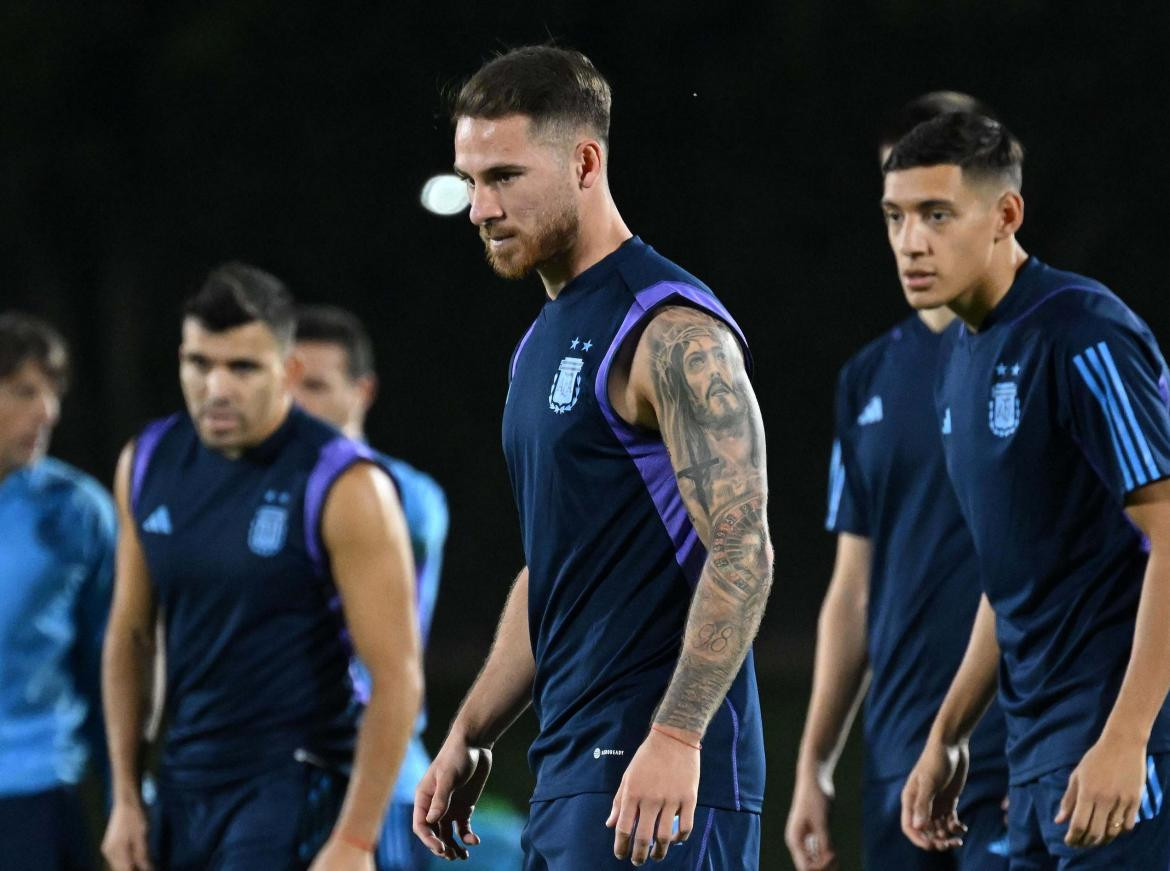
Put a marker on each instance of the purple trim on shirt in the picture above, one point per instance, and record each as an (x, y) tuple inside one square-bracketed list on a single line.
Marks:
[(519, 349), (703, 843), (734, 751), (646, 448), (144, 448), (335, 457)]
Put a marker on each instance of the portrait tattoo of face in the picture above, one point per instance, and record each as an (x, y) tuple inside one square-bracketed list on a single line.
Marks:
[(704, 402)]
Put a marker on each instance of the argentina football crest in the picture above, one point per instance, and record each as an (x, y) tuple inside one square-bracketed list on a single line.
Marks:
[(566, 384), (269, 526), (1003, 411)]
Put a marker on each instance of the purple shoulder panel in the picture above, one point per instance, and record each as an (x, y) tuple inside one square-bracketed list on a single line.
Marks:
[(646, 448), (144, 448), (335, 457), (519, 349)]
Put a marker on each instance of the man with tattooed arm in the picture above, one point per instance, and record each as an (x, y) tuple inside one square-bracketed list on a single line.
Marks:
[(638, 465)]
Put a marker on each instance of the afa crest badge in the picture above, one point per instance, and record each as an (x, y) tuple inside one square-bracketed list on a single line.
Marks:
[(566, 385), (268, 531), (1003, 411)]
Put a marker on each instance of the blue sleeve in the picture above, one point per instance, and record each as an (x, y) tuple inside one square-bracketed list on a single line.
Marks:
[(93, 608), (846, 508), (1118, 401), (425, 507)]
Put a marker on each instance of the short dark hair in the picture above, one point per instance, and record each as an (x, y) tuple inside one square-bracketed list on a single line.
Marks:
[(235, 294), (555, 87), (925, 107), (336, 326), (25, 338), (982, 147)]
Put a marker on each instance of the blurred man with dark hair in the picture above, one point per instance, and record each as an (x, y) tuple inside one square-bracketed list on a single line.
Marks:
[(1054, 410), (637, 459), (56, 573), (901, 599), (336, 382), (269, 543)]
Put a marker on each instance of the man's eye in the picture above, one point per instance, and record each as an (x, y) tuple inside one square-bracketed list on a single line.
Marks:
[(243, 368), (892, 217), (939, 216)]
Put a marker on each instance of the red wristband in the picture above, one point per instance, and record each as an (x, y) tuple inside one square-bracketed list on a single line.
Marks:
[(654, 727), (364, 846)]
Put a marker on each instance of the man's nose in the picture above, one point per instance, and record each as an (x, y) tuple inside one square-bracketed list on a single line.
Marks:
[(485, 206)]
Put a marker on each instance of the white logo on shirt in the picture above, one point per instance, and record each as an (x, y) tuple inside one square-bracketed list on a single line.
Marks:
[(872, 413), (1003, 411), (598, 752), (159, 521)]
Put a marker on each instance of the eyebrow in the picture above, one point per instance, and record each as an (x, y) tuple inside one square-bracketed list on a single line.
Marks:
[(491, 170), (922, 205)]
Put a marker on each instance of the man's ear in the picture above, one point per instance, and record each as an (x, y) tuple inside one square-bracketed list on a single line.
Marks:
[(589, 160), (1011, 214), (367, 386)]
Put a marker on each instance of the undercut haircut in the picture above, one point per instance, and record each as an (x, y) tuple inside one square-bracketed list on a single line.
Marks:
[(336, 326), (984, 149), (28, 339), (558, 88), (926, 107), (236, 294)]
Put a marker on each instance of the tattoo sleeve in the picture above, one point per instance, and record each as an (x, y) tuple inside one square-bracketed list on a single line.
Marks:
[(711, 425)]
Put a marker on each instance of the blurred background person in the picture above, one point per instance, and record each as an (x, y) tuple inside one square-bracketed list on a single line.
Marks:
[(274, 547), (57, 532), (901, 600), (337, 381)]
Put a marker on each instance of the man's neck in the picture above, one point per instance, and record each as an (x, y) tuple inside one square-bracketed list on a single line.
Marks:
[(974, 305), (936, 319), (597, 238)]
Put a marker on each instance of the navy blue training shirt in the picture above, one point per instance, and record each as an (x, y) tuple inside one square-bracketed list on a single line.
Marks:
[(888, 482), (613, 559), (257, 659), (1052, 413)]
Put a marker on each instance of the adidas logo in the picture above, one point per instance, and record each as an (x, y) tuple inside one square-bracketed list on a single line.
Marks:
[(946, 428), (872, 413), (159, 521)]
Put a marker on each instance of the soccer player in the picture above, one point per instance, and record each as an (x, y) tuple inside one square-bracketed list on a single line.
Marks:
[(637, 460), (337, 383), (269, 542), (56, 567), (901, 600), (1052, 403)]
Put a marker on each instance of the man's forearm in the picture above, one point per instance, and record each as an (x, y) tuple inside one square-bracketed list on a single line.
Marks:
[(387, 725), (725, 615), (839, 683), (1147, 678), (127, 658), (503, 689), (973, 687)]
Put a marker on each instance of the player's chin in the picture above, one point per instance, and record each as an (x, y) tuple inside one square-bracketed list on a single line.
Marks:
[(922, 300)]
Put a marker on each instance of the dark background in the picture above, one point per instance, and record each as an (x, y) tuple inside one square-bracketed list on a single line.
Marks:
[(143, 143)]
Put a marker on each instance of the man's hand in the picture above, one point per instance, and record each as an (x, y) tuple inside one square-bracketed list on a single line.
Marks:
[(1104, 793), (807, 831), (446, 797), (124, 845), (930, 799), (337, 855), (661, 782)]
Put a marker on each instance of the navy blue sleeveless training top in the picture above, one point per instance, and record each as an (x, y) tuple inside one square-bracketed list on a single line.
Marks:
[(613, 559), (257, 658)]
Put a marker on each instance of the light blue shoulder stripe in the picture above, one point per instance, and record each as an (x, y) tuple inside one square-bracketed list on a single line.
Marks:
[(836, 484), (1127, 437), (1143, 445), (1079, 362), (1155, 786)]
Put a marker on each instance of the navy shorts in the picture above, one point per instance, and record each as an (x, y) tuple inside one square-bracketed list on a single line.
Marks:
[(44, 831), (277, 821), (985, 846), (1037, 843), (569, 834)]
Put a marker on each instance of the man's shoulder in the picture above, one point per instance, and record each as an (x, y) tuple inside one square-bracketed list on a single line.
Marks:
[(860, 369), (646, 269), (73, 491)]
